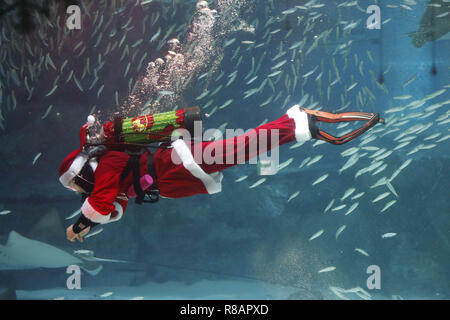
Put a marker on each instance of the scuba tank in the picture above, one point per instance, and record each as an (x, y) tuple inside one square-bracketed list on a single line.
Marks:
[(150, 128), (133, 136)]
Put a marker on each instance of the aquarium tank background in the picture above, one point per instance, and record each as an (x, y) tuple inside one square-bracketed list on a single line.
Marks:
[(376, 227)]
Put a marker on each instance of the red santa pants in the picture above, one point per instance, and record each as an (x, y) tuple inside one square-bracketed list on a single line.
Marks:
[(192, 167)]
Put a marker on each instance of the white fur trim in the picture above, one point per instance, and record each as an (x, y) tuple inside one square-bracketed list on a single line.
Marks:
[(301, 123), (93, 163), (92, 214), (119, 215), (212, 182), (74, 169)]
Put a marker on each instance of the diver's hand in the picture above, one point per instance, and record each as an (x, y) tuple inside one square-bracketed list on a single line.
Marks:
[(72, 236)]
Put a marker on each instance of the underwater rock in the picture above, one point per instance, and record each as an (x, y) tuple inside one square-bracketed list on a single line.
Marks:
[(433, 25)]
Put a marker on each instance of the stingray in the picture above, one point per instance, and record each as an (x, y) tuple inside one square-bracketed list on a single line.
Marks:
[(432, 27), (21, 253), (88, 255)]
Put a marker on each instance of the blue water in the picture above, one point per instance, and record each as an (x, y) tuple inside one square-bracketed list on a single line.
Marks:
[(241, 243)]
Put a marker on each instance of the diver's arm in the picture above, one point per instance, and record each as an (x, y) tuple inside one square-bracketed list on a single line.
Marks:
[(72, 236), (82, 224), (105, 204), (79, 229)]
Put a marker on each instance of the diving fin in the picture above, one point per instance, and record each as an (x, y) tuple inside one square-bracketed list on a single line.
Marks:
[(329, 117)]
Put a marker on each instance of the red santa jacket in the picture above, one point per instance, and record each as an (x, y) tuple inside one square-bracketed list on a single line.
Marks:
[(177, 176), (108, 200)]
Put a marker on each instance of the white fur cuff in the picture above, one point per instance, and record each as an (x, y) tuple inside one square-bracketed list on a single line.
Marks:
[(119, 214), (302, 132), (74, 169), (92, 214)]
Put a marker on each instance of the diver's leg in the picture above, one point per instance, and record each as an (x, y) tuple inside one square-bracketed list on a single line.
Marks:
[(298, 124), (185, 170), (293, 126)]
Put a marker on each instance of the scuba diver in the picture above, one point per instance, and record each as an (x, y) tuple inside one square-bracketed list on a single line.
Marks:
[(114, 164)]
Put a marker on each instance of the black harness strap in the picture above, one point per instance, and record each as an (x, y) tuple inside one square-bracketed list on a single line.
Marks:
[(151, 171), (133, 165), (153, 191), (117, 129)]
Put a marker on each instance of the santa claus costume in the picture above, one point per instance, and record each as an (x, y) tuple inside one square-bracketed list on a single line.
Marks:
[(177, 172)]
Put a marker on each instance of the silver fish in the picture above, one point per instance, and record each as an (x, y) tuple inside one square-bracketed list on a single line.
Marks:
[(410, 80), (257, 183), (77, 83), (285, 164), (401, 145), (304, 162), (405, 97), (350, 162), (347, 193), (391, 188), (434, 94), (381, 196), (106, 294), (273, 74), (100, 90), (226, 103), (314, 160), (384, 166), (294, 195), (329, 206), (297, 145), (403, 166), (36, 157), (444, 138), (316, 235), (73, 214), (229, 42), (349, 151), (388, 205), (359, 195), (52, 91), (352, 86), (91, 234), (47, 112), (327, 269), (388, 235), (352, 208), (289, 11), (278, 65), (320, 179), (339, 230), (342, 206), (362, 251)]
